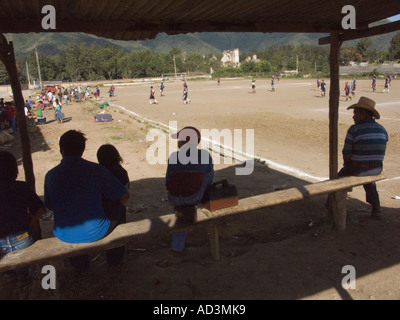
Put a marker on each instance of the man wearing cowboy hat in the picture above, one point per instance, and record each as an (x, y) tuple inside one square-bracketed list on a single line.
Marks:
[(364, 148)]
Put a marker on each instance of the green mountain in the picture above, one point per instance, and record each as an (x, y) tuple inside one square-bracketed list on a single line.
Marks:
[(203, 43)]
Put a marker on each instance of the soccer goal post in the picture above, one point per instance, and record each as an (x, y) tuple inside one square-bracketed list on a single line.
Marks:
[(173, 76)]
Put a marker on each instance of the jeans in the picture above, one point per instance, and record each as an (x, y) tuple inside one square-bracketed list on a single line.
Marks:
[(13, 126), (178, 241), (15, 242)]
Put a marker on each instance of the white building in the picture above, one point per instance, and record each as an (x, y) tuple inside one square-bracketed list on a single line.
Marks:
[(230, 58)]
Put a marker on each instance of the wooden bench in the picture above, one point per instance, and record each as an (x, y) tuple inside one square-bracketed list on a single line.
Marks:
[(52, 248)]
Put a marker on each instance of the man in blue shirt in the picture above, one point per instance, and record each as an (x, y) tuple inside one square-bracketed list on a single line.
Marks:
[(323, 88), (364, 149), (73, 191)]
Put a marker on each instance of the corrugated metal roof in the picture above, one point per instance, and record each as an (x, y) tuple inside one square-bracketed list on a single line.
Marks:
[(144, 19)]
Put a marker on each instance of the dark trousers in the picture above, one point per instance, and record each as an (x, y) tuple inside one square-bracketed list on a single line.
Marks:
[(115, 255), (371, 193)]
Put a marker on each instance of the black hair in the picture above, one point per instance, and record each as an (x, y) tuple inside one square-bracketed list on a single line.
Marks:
[(8, 167), (108, 155), (72, 143)]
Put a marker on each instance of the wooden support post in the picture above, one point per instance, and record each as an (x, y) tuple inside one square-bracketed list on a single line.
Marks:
[(8, 59), (214, 241), (340, 213), (334, 93)]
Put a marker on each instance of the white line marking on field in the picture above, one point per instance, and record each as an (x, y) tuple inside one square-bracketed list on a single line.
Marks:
[(270, 163)]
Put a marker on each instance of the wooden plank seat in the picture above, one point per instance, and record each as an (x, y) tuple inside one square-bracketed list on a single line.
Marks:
[(52, 248)]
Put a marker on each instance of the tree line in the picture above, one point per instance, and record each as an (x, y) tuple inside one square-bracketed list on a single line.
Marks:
[(79, 62)]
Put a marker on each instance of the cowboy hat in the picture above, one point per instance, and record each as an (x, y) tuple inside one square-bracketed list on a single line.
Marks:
[(366, 104)]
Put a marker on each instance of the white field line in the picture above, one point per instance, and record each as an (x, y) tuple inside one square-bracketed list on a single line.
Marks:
[(239, 154)]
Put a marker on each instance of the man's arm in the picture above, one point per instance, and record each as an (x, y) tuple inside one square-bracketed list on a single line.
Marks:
[(124, 199), (346, 158), (34, 217)]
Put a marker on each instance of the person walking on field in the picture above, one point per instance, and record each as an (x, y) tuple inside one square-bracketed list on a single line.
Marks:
[(353, 87), (273, 84), (374, 83), (323, 88), (387, 85), (152, 96), (347, 91), (185, 98), (162, 89), (59, 115)]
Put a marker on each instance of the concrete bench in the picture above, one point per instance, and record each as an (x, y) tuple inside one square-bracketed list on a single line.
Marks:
[(52, 248)]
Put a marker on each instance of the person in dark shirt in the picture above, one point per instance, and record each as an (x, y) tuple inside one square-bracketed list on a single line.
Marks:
[(190, 172), (109, 157), (20, 207)]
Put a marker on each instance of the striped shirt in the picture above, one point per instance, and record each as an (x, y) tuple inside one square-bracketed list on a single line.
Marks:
[(366, 142)]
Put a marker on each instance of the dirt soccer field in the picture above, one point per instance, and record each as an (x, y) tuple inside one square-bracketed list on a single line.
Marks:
[(282, 252)]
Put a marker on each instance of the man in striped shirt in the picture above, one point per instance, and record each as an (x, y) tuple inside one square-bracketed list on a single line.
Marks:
[(364, 149)]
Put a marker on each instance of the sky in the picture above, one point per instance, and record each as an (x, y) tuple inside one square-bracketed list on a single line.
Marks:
[(395, 18)]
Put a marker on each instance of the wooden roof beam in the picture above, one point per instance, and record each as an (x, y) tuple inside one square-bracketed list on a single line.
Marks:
[(98, 26), (363, 33)]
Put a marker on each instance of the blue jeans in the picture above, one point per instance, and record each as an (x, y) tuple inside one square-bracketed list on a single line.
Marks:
[(13, 126), (15, 242), (178, 241)]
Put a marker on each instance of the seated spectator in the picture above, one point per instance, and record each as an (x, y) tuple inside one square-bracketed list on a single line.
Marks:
[(108, 156), (190, 172), (73, 190), (10, 109), (20, 207)]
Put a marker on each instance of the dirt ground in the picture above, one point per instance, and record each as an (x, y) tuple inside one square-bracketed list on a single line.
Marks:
[(284, 252)]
